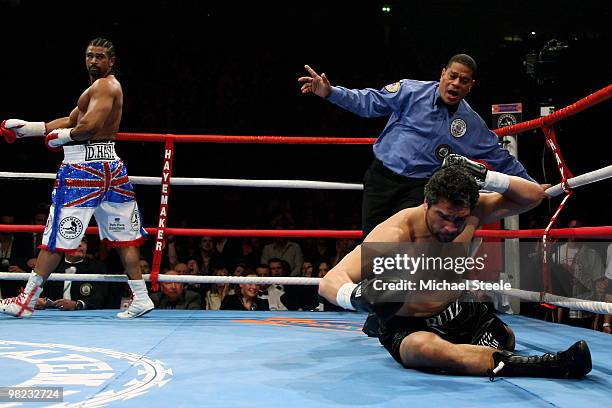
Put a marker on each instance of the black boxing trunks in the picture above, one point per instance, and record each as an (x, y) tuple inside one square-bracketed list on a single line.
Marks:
[(462, 322)]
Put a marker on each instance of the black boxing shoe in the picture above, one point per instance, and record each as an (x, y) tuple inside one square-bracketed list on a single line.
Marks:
[(575, 362)]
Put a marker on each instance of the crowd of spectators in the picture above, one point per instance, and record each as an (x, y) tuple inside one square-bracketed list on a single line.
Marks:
[(579, 270), (219, 256)]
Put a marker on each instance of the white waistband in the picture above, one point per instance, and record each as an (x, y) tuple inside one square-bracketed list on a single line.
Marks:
[(102, 151)]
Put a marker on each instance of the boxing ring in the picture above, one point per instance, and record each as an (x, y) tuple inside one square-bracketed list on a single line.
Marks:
[(226, 358), (275, 359)]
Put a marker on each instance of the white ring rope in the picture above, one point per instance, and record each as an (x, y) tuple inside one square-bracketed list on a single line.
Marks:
[(581, 180), (168, 278), (188, 181), (573, 303)]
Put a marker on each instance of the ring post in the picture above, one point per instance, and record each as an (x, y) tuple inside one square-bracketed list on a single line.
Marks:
[(163, 210)]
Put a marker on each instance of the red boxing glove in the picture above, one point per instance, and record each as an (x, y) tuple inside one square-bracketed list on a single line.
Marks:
[(8, 135), (12, 129), (57, 138)]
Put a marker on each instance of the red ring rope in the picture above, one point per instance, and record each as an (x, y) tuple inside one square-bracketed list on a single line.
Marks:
[(155, 137), (604, 232), (584, 103)]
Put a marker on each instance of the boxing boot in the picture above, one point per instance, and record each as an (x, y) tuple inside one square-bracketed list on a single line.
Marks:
[(575, 362), (23, 304), (141, 302)]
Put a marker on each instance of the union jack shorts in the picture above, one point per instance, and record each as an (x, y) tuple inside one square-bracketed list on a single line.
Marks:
[(99, 188)]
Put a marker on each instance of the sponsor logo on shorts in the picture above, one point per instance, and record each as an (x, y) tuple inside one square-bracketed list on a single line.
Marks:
[(487, 339), (458, 127), (49, 223), (70, 227), (444, 316), (135, 220), (99, 151), (116, 224), (85, 289)]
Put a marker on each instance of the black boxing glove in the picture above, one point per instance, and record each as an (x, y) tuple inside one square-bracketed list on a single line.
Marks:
[(380, 296), (486, 179)]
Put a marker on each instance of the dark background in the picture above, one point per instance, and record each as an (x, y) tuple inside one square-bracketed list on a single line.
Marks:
[(224, 67)]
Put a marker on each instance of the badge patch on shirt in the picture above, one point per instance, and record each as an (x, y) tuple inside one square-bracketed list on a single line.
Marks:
[(86, 289), (442, 151), (458, 127), (393, 88)]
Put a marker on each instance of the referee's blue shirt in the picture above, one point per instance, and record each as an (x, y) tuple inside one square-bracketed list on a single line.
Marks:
[(421, 123)]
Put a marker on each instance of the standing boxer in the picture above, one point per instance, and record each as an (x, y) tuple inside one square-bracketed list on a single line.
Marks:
[(92, 180)]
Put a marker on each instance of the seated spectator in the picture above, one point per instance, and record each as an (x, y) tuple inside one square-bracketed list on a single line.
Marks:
[(207, 256), (584, 269), (307, 269), (273, 293), (173, 295), (319, 252), (324, 304), (217, 292), (251, 251), (194, 267), (263, 271), (182, 269), (245, 298), (145, 268), (39, 218), (178, 248), (13, 255), (75, 295), (229, 249), (284, 249), (322, 269), (343, 247), (239, 269)]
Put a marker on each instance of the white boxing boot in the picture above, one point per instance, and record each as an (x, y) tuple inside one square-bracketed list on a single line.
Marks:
[(23, 304), (141, 302)]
